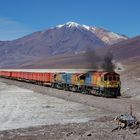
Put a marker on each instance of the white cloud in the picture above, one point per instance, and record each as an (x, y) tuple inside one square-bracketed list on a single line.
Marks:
[(11, 29)]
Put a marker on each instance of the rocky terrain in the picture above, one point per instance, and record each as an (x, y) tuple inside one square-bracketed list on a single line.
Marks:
[(95, 114)]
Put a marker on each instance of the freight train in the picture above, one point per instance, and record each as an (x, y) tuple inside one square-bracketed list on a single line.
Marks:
[(100, 83)]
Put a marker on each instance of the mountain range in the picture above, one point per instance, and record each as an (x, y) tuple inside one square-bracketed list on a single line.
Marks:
[(66, 41)]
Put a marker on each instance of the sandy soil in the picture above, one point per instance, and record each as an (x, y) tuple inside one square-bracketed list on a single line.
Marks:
[(98, 126)]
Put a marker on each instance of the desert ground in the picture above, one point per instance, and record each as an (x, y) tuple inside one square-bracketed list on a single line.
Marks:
[(33, 112)]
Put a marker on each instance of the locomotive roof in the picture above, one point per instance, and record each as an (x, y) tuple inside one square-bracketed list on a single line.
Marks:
[(103, 72)]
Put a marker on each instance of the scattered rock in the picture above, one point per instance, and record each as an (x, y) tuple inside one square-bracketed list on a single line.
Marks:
[(69, 134), (47, 106), (89, 134), (134, 132), (126, 121)]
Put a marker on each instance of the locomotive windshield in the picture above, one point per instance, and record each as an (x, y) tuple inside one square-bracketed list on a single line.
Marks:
[(111, 78), (114, 78)]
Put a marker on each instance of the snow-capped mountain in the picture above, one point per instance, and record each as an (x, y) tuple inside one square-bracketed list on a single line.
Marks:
[(68, 38), (106, 36)]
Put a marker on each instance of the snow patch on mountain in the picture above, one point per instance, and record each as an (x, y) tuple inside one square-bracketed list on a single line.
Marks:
[(87, 27), (68, 24), (73, 24), (111, 34), (108, 36)]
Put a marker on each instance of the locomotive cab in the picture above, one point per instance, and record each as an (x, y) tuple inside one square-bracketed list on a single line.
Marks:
[(111, 83)]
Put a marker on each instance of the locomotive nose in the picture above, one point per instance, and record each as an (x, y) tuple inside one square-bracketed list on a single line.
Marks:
[(112, 82)]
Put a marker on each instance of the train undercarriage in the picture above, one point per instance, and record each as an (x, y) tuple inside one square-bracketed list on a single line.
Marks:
[(104, 92)]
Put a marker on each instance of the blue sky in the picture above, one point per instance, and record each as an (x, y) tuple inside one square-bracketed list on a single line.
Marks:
[(21, 17)]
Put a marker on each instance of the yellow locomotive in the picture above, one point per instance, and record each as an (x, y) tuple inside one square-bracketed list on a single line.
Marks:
[(95, 82)]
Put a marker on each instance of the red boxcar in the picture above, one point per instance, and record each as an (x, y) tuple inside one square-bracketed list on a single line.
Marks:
[(5, 73), (43, 77)]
